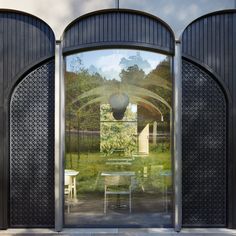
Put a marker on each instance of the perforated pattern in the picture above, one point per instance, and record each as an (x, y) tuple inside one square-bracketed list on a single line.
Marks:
[(204, 149), (32, 149)]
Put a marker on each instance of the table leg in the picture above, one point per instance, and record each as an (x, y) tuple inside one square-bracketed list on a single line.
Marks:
[(71, 193), (75, 193)]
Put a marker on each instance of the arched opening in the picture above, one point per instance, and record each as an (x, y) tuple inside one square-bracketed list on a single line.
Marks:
[(208, 118), (118, 120), (118, 162), (27, 81)]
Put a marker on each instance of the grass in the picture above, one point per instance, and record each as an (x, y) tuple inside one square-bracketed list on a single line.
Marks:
[(148, 170)]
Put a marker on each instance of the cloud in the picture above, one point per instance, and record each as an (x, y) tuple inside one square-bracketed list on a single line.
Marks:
[(110, 61), (110, 65), (135, 60)]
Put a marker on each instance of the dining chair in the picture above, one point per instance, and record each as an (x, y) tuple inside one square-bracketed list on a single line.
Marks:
[(117, 185)]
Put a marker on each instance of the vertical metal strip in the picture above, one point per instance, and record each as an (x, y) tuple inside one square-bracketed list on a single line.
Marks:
[(62, 128), (117, 4), (178, 136), (58, 139)]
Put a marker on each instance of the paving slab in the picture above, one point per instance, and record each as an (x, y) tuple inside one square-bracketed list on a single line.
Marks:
[(118, 232)]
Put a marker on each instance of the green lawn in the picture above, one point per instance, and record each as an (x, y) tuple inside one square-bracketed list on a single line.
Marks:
[(148, 170)]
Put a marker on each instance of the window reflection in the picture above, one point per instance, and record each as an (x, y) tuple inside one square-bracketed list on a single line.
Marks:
[(118, 144)]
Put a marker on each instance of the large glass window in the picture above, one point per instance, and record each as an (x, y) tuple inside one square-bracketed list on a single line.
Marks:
[(118, 168)]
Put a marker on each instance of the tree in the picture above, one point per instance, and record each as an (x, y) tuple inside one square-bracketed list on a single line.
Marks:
[(132, 75)]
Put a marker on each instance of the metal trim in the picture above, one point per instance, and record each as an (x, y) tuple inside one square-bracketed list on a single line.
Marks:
[(214, 75), (112, 45), (178, 137), (58, 138), (22, 74), (177, 226), (117, 4), (62, 94)]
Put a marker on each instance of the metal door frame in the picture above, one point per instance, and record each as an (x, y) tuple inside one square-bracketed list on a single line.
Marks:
[(60, 136)]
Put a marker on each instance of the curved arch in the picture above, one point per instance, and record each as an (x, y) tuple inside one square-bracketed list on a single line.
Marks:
[(119, 10), (118, 28), (133, 98), (215, 76), (22, 74), (213, 31), (36, 41), (7, 10), (211, 48), (130, 89), (204, 16)]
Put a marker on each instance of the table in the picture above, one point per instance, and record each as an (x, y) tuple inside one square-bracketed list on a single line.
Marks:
[(71, 175), (119, 161), (165, 174), (118, 173)]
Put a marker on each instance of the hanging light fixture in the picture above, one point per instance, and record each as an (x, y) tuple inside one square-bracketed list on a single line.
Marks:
[(119, 102)]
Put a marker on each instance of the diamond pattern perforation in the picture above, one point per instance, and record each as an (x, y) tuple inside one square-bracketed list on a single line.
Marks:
[(204, 142), (32, 149)]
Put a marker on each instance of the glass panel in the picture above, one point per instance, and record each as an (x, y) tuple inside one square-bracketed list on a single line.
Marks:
[(118, 139)]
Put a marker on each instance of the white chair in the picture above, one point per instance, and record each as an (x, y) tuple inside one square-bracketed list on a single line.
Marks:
[(67, 192), (117, 185), (67, 186)]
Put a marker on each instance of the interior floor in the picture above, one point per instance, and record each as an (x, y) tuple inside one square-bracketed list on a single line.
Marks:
[(148, 210)]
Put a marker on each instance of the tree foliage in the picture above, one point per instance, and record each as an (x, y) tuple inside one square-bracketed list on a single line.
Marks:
[(88, 118)]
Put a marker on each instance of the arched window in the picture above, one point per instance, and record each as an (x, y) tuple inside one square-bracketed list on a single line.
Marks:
[(118, 111), (118, 116)]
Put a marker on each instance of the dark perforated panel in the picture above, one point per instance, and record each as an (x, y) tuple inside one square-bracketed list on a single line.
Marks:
[(204, 149), (25, 41), (32, 149)]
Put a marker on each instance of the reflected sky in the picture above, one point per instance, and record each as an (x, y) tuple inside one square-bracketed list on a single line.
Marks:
[(109, 63)]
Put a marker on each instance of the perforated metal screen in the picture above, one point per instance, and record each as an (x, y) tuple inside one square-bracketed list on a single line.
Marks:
[(204, 140), (32, 150)]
